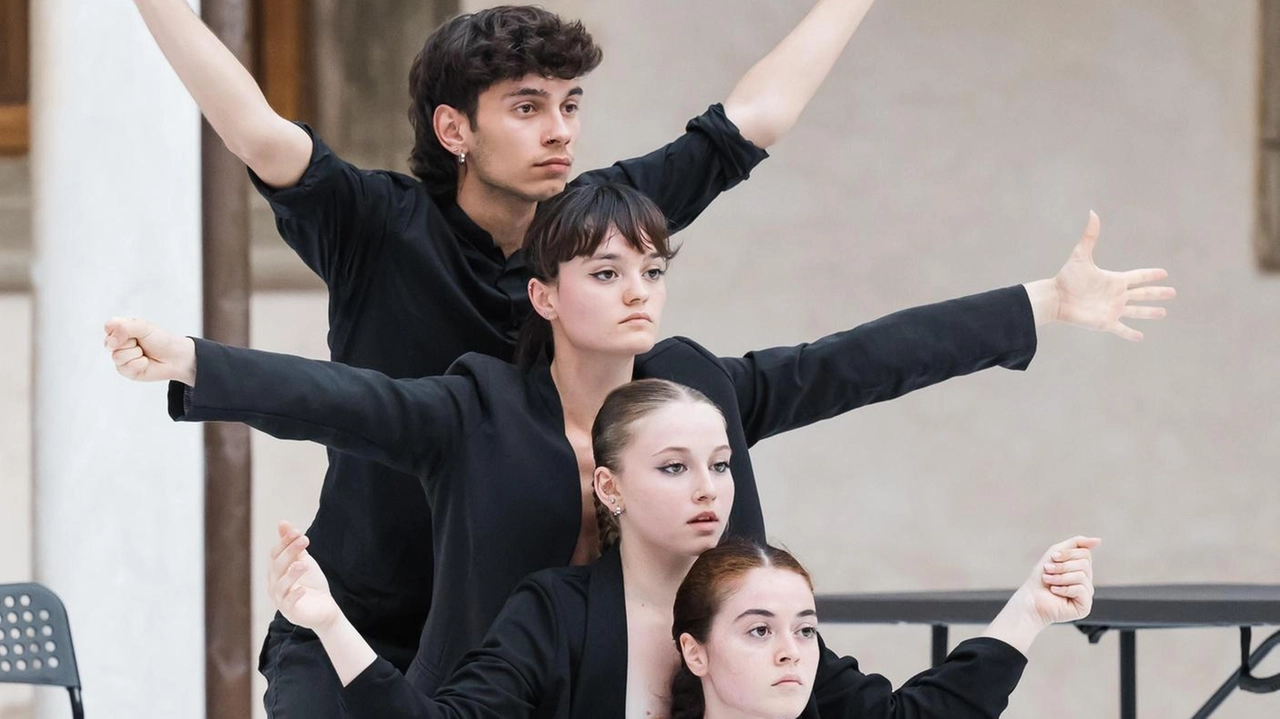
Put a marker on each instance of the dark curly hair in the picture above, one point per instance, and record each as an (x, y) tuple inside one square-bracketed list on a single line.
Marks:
[(472, 52)]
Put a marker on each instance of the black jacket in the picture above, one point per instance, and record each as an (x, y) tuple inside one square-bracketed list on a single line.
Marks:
[(558, 649), (414, 284), (488, 442)]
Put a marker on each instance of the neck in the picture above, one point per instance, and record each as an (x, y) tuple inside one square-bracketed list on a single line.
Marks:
[(652, 576), (583, 382), (503, 215)]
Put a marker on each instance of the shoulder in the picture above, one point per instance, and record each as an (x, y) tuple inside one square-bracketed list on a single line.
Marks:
[(677, 348)]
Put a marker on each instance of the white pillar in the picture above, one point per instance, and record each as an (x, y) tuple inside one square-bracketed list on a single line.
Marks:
[(118, 487)]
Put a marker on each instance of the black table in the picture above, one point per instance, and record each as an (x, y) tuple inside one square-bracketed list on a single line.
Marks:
[(1125, 609)]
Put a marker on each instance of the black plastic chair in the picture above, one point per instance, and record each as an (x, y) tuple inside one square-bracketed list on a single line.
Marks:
[(35, 641)]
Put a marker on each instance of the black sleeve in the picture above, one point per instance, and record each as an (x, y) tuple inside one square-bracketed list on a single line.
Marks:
[(505, 678), (337, 215), (408, 425), (784, 388), (973, 683), (683, 177)]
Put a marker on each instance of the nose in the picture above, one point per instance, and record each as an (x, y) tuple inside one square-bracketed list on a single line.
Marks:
[(705, 489), (637, 291), (558, 131), (788, 650)]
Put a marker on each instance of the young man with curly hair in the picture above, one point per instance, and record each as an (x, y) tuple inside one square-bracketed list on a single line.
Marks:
[(423, 269)]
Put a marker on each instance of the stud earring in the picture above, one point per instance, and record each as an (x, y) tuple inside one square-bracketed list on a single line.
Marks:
[(462, 158)]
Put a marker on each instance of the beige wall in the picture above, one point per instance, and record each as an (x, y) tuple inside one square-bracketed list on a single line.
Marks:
[(957, 147)]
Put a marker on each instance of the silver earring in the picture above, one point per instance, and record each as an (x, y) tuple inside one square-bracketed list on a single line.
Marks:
[(617, 512), (613, 500), (462, 158)]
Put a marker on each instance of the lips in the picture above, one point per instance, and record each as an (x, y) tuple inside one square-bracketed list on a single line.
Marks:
[(705, 517), (556, 161), (636, 317), (788, 680)]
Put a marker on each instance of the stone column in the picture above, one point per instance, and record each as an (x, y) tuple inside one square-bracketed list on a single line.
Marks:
[(116, 230)]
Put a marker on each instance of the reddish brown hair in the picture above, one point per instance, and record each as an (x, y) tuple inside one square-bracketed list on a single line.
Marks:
[(717, 574)]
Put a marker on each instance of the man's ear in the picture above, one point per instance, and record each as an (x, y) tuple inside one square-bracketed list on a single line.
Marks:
[(695, 655), (543, 298), (452, 128)]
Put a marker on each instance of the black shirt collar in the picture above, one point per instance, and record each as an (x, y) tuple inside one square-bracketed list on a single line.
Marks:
[(478, 237)]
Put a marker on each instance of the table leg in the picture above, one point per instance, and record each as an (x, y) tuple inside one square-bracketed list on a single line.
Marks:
[(1128, 675), (939, 644)]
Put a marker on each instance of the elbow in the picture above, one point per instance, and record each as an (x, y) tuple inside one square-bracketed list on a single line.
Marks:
[(763, 124)]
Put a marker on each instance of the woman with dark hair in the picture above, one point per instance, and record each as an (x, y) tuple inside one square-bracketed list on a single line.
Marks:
[(498, 446), (746, 627), (595, 641)]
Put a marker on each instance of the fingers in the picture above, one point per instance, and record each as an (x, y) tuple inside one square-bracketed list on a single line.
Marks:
[(1143, 276), (126, 354), (1125, 332), (1143, 312), (1150, 294), (120, 330), (1074, 591), (1090, 238), (288, 555)]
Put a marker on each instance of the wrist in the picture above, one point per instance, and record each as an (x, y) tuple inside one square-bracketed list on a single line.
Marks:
[(1018, 623), (1045, 301), (187, 373)]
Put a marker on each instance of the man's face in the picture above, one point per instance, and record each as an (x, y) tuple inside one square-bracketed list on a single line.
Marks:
[(523, 139)]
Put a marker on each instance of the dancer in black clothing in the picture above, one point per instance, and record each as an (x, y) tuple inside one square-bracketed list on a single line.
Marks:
[(496, 446), (597, 641), (424, 269)]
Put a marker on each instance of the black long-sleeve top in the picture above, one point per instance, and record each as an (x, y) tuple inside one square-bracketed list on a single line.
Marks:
[(558, 650), (414, 284), (488, 442)]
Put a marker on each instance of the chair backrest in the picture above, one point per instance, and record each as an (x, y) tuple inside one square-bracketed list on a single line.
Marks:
[(35, 638)]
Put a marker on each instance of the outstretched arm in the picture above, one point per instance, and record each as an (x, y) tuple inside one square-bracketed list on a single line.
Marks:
[(768, 100), (978, 676), (274, 148), (505, 677), (409, 425), (784, 388)]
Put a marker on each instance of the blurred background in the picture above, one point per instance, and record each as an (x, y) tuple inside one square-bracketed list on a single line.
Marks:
[(956, 147)]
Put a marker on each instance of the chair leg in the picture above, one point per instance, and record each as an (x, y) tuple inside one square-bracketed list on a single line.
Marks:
[(77, 708)]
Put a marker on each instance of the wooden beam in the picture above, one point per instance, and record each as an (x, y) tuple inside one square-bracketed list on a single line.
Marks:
[(1267, 232), (15, 131), (228, 485), (283, 52)]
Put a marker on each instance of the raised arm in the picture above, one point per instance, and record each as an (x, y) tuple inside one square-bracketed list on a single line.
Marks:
[(409, 425), (274, 148), (505, 677), (769, 98), (978, 676), (784, 388)]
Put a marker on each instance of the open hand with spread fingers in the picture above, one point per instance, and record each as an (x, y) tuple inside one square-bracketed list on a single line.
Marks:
[(296, 583), (1088, 296), (145, 353)]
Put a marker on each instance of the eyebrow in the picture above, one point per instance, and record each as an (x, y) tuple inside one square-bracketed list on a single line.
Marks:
[(685, 450), (770, 615), (527, 91), (615, 256)]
